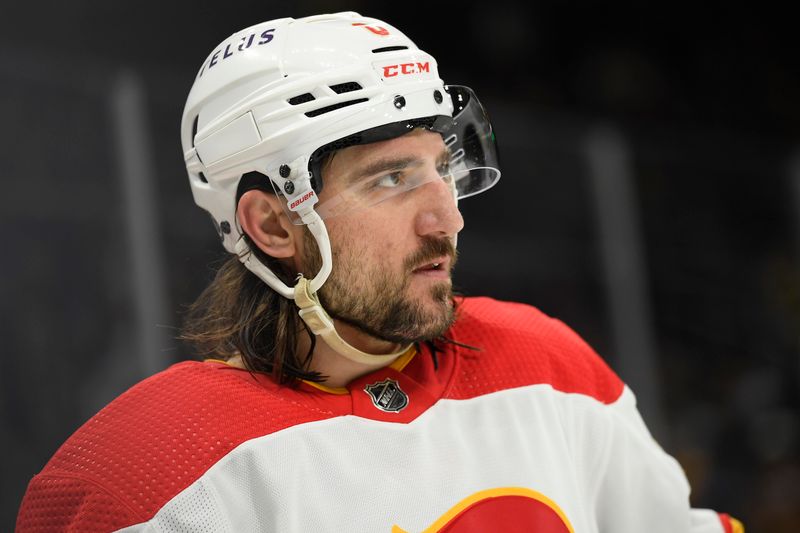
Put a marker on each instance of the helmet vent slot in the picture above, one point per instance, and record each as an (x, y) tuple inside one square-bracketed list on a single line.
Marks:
[(347, 87), (334, 107), (301, 99), (389, 49)]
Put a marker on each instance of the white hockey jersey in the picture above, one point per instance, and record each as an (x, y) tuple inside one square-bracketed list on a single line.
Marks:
[(532, 432)]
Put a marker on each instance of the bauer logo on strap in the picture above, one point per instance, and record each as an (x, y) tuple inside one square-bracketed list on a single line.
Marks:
[(387, 396)]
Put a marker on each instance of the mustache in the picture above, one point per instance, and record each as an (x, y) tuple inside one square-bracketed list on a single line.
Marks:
[(432, 248)]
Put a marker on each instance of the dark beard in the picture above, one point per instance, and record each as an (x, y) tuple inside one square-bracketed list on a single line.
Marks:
[(383, 312)]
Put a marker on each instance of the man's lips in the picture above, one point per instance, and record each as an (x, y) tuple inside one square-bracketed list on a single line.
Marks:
[(437, 268)]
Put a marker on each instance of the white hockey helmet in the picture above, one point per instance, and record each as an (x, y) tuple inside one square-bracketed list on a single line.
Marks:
[(271, 100)]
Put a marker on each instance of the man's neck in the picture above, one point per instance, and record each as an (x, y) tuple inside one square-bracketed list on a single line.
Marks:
[(340, 370)]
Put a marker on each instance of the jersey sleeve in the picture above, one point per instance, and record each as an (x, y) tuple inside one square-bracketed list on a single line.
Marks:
[(641, 487), (70, 504)]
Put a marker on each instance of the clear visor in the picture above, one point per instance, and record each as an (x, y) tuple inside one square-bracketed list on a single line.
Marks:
[(374, 190), (466, 161)]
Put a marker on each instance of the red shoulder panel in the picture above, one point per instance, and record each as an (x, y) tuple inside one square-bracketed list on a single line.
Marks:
[(71, 504), (152, 442), (519, 346)]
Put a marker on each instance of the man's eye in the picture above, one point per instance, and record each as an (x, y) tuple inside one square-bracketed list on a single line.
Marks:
[(388, 181)]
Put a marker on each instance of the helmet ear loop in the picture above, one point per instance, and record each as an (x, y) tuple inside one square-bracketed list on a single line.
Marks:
[(244, 249), (317, 227), (259, 181)]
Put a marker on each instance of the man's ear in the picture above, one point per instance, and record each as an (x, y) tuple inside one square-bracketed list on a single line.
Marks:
[(263, 220)]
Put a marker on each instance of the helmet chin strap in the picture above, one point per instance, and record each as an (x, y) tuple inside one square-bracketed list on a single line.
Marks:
[(305, 296), (320, 323)]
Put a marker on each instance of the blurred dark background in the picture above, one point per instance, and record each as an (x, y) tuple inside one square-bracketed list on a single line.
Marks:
[(650, 199)]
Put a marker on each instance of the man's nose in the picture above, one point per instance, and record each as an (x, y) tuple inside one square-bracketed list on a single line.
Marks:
[(438, 213)]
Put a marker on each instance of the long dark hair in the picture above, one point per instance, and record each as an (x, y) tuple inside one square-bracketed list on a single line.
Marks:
[(238, 314)]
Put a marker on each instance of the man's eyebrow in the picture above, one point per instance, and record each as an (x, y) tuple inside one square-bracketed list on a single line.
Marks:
[(382, 165), (393, 163)]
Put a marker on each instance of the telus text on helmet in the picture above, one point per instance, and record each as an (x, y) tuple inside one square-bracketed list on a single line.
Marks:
[(231, 48)]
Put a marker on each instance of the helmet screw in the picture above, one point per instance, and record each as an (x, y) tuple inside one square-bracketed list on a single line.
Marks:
[(285, 171), (288, 187), (225, 227), (437, 96), (399, 102)]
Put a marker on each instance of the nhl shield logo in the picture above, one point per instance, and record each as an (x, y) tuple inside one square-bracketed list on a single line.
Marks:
[(387, 396)]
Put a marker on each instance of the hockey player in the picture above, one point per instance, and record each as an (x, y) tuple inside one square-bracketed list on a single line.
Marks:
[(345, 388)]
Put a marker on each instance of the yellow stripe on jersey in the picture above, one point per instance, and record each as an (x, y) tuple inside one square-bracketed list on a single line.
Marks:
[(401, 362), (485, 495), (325, 388)]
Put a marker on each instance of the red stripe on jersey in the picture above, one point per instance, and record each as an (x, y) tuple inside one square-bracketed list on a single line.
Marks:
[(730, 524), (726, 523)]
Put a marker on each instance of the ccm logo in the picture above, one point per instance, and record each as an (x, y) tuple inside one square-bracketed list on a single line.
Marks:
[(302, 199), (390, 71)]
